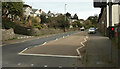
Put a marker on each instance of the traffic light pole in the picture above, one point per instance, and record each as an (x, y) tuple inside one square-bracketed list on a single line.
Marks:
[(110, 13), (110, 24)]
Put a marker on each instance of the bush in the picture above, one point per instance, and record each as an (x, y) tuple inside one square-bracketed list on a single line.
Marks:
[(7, 24), (58, 22), (38, 26), (34, 20)]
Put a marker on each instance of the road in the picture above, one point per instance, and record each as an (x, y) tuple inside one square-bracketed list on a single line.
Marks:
[(58, 51), (12, 59)]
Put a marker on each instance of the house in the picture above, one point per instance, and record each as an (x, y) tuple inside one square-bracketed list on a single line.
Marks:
[(57, 14), (27, 10), (81, 21), (73, 20), (33, 12), (37, 12)]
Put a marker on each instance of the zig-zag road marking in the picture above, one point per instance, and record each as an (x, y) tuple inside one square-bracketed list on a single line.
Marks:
[(81, 46)]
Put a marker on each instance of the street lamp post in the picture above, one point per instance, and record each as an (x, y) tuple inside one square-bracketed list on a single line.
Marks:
[(65, 11), (65, 17)]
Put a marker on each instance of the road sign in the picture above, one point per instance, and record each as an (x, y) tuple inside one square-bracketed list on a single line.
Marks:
[(100, 3), (102, 22)]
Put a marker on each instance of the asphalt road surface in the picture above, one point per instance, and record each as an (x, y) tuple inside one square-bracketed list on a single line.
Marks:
[(97, 45), (11, 58), (63, 47)]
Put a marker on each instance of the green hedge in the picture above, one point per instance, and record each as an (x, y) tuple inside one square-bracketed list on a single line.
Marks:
[(7, 24)]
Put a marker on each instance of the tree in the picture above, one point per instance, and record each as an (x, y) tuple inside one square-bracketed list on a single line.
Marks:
[(49, 12), (93, 19), (58, 22), (75, 17), (88, 23), (68, 15), (13, 8), (43, 19)]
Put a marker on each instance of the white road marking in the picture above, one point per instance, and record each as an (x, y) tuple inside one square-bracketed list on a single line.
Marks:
[(60, 66), (56, 39), (86, 36), (44, 43), (19, 64), (17, 42), (47, 55), (32, 64), (81, 46), (45, 66), (23, 51), (85, 39)]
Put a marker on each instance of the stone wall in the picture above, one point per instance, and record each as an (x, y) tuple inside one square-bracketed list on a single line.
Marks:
[(102, 25), (35, 31), (7, 34)]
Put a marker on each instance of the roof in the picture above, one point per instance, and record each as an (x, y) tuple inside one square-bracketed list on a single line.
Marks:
[(25, 5), (34, 10), (81, 19)]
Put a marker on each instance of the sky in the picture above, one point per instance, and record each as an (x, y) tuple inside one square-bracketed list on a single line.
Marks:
[(83, 8)]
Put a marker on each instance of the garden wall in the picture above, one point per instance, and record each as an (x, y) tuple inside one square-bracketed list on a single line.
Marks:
[(7, 34)]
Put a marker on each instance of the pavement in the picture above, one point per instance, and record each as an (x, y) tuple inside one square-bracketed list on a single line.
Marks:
[(98, 51)]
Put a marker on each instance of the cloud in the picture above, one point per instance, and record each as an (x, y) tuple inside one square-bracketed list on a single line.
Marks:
[(86, 14)]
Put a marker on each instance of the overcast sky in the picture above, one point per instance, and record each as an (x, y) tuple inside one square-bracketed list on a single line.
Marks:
[(83, 8)]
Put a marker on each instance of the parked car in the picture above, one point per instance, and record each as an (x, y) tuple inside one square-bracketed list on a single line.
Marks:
[(82, 29), (91, 31)]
